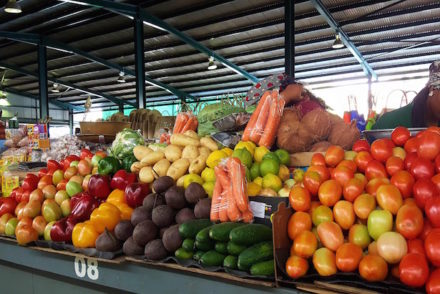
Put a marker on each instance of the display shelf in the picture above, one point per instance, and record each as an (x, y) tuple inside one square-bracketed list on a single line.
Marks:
[(89, 274)]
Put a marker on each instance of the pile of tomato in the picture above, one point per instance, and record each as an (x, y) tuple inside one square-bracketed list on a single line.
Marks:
[(374, 210)]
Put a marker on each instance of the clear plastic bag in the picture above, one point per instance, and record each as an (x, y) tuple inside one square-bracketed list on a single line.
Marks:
[(185, 121)]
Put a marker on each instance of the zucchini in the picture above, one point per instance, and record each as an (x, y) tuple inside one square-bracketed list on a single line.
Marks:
[(230, 261), (203, 235), (255, 254), (220, 232), (188, 244), (198, 255), (190, 228), (235, 249), (250, 234), (264, 268), (221, 247), (183, 254), (205, 246), (212, 258)]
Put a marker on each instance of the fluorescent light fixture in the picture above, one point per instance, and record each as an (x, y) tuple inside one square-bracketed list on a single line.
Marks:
[(55, 88), (337, 44), (121, 78), (12, 7), (211, 64)]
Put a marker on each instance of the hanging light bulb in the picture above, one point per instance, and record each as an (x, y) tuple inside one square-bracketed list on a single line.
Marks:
[(121, 78), (55, 88), (12, 7), (337, 44), (211, 64)]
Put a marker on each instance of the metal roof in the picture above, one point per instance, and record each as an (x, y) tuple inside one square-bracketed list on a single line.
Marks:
[(395, 37)]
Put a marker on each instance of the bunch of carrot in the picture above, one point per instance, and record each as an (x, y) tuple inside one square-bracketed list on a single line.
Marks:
[(165, 138), (229, 200), (185, 121), (264, 122)]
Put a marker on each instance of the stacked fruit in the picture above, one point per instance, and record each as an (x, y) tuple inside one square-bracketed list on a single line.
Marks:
[(246, 247), (373, 210)]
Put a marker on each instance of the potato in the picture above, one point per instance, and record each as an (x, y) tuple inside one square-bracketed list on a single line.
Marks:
[(152, 158), (179, 182), (198, 165), (136, 167), (190, 152), (204, 151), (146, 175), (183, 140), (141, 151), (173, 152), (178, 168), (192, 134), (209, 143), (161, 168)]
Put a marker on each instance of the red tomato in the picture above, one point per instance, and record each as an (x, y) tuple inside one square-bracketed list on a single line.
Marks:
[(374, 184), (409, 221), (334, 155), (416, 246), (311, 181), (436, 180), (413, 270), (424, 189), (375, 169), (411, 145), (429, 145), (305, 244), (324, 261), (410, 158), (350, 164), (342, 175), (394, 164), (364, 205), (318, 159), (330, 235), (427, 228), (296, 267), (432, 246), (422, 168), (30, 183), (44, 181), (388, 197), (42, 172), (361, 145), (298, 222), (404, 181), (62, 185), (373, 268), (348, 257), (432, 211), (343, 213), (353, 189), (433, 284), (400, 135), (322, 214), (382, 149), (85, 153), (362, 159), (329, 192), (437, 163), (323, 172), (299, 198)]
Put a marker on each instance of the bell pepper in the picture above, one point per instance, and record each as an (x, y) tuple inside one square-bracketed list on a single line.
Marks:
[(125, 210), (82, 205), (107, 216), (61, 231), (53, 165), (17, 194), (135, 194), (99, 186), (108, 165), (84, 235), (86, 153), (117, 198), (42, 172), (30, 182), (7, 205), (121, 179), (128, 161), (68, 160)]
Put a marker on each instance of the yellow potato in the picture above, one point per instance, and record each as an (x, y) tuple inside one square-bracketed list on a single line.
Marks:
[(161, 167), (190, 152), (178, 168), (146, 175), (141, 151), (152, 158), (179, 182), (184, 140), (136, 167), (198, 165), (204, 151), (173, 152), (209, 143), (192, 134)]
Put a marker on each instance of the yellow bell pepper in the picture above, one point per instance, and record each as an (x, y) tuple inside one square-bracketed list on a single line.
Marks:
[(107, 216), (117, 198), (84, 235), (125, 210)]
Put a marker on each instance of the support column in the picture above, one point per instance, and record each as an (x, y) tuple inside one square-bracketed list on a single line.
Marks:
[(71, 122), (289, 37), (121, 107), (139, 62), (42, 82)]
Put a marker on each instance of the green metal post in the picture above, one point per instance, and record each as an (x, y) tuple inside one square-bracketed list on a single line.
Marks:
[(289, 37), (71, 122), (42, 82), (139, 62)]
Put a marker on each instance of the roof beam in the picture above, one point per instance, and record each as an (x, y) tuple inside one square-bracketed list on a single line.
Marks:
[(133, 11), (369, 72)]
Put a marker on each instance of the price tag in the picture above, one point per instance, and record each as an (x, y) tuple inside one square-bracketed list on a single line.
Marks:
[(86, 267), (258, 208)]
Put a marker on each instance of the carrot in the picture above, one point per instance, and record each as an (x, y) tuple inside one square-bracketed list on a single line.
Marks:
[(223, 178), (237, 176), (254, 117), (216, 200), (258, 129), (181, 120), (248, 216), (189, 124), (271, 128)]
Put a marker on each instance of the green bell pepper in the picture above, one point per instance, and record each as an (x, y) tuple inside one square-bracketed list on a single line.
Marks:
[(108, 165), (128, 161)]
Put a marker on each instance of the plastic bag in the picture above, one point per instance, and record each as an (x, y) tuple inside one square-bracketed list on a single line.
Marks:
[(230, 201), (232, 122), (185, 121)]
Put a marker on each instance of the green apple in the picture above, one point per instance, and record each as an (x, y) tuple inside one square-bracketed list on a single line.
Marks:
[(51, 212), (73, 188), (57, 176), (10, 226), (47, 229), (96, 159), (358, 235), (60, 196), (379, 222), (74, 163), (65, 207)]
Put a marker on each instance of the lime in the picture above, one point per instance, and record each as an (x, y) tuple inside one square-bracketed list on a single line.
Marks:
[(244, 155), (253, 189), (269, 166), (248, 145), (271, 155), (190, 179), (255, 170), (259, 153), (258, 181), (209, 188), (284, 156), (248, 174), (208, 174), (273, 182)]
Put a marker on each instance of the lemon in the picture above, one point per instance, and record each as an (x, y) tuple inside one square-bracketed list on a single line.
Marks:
[(253, 189), (248, 145), (228, 151), (191, 178), (259, 153), (258, 181), (273, 182), (209, 188), (215, 157), (208, 174), (284, 173)]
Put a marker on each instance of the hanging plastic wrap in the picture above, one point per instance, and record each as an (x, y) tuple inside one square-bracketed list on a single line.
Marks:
[(185, 121)]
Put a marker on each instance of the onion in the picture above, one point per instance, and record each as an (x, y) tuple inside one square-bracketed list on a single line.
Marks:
[(391, 246)]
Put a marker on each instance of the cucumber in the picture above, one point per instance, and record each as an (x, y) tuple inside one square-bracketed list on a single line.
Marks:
[(250, 234), (190, 228), (188, 244), (235, 249), (212, 258), (203, 235), (221, 247), (198, 255), (255, 254), (230, 261), (205, 246), (183, 254), (220, 232), (264, 268)]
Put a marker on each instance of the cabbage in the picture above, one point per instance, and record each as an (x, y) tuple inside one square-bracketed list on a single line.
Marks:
[(124, 143)]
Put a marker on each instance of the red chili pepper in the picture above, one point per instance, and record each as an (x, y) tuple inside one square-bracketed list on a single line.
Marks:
[(99, 186), (121, 179)]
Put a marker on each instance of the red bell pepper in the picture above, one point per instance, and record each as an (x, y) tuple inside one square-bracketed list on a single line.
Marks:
[(86, 153), (61, 231), (53, 165), (16, 194), (82, 205), (7, 205), (68, 160), (121, 179), (99, 186), (30, 183), (42, 172), (135, 194)]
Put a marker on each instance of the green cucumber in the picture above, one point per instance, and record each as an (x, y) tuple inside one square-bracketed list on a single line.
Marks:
[(235, 249), (203, 235), (255, 254), (198, 255), (183, 254), (188, 244), (190, 228), (220, 232), (230, 261), (264, 268), (221, 247), (212, 258), (205, 246), (250, 234)]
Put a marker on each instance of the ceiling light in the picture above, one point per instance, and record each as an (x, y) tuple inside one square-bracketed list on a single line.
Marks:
[(12, 7), (55, 88), (121, 78), (211, 64), (337, 44)]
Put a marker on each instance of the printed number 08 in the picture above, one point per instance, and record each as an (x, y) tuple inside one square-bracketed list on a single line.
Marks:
[(90, 268)]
